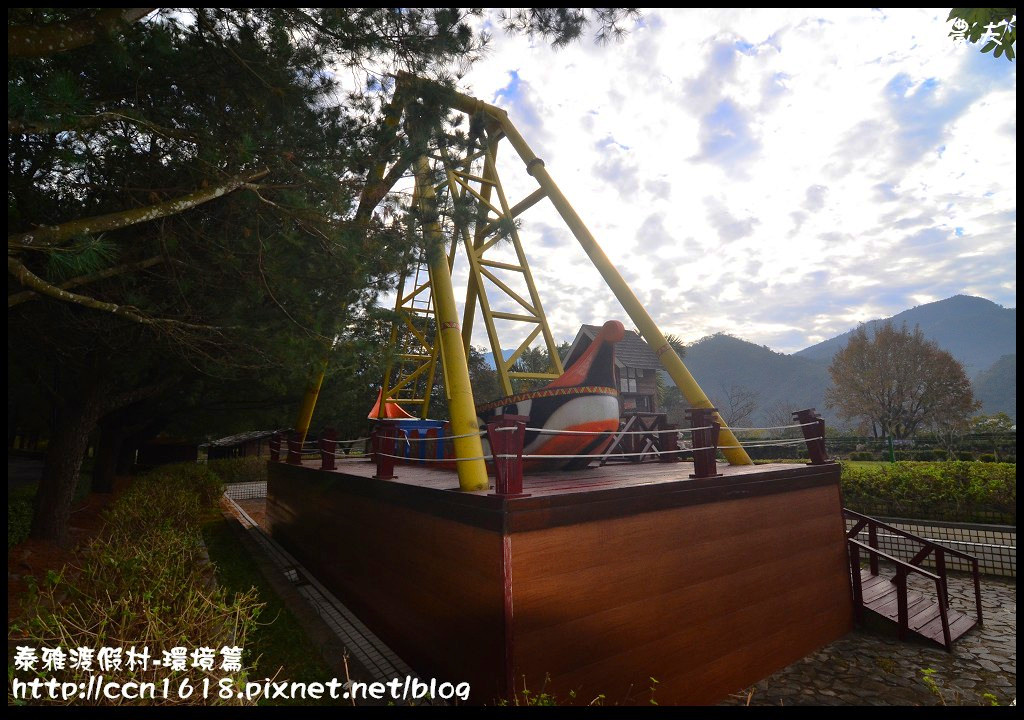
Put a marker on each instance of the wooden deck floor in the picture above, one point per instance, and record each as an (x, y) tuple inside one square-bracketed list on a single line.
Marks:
[(922, 610), (611, 476)]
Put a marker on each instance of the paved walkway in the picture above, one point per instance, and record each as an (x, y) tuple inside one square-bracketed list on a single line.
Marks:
[(870, 666)]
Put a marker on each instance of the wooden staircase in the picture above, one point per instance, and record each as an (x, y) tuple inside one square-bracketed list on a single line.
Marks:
[(887, 595)]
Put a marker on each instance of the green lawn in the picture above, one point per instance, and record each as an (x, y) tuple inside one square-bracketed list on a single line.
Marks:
[(279, 644)]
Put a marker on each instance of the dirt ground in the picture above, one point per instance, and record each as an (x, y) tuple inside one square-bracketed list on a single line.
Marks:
[(256, 509), (32, 558)]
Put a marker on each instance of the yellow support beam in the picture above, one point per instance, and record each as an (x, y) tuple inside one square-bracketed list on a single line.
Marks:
[(309, 403), (735, 454), (686, 383), (473, 471), (634, 309)]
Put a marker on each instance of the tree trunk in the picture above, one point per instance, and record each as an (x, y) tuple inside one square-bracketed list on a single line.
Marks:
[(67, 446), (108, 452), (125, 458), (63, 468)]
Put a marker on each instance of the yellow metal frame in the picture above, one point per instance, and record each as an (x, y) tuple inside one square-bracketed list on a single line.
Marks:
[(449, 341), (468, 447), (409, 376), (498, 123), (482, 276)]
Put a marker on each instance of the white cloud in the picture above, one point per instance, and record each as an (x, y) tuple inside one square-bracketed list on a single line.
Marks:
[(777, 174)]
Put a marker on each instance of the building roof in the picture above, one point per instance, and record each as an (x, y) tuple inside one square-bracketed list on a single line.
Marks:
[(633, 351), (241, 438)]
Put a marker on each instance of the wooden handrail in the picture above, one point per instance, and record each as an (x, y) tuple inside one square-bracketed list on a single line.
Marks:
[(924, 541), (929, 547), (902, 570), (896, 561)]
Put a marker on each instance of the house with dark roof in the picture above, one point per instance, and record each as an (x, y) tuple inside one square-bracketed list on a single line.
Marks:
[(248, 444), (636, 368)]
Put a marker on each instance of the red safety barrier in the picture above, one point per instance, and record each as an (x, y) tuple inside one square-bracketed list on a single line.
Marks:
[(814, 433), (294, 449), (705, 441), (506, 436), (384, 449), (328, 444)]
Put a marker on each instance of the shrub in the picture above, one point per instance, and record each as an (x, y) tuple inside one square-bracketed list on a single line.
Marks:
[(987, 457), (21, 505), (940, 491), (940, 455), (236, 470), (19, 518), (963, 455), (145, 580)]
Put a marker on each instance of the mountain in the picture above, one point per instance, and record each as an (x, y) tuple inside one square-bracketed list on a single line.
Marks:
[(975, 331), (996, 387), (979, 333), (783, 383)]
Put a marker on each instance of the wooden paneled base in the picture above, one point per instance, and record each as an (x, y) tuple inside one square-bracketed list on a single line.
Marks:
[(594, 583)]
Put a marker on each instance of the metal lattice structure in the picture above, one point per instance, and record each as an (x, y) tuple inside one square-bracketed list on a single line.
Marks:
[(460, 200)]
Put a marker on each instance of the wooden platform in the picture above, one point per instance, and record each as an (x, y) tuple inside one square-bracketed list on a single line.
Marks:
[(599, 579), (880, 597)]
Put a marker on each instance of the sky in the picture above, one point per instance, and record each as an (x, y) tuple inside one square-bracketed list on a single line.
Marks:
[(779, 175)]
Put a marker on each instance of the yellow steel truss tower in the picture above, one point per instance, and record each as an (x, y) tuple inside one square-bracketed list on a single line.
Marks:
[(429, 328)]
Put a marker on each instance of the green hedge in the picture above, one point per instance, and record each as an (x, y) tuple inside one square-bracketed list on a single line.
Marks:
[(144, 580), (952, 490), (21, 505), (236, 470), (19, 517)]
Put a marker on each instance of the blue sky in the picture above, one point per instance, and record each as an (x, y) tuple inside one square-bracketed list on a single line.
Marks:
[(780, 175)]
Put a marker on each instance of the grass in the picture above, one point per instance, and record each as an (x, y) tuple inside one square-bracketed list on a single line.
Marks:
[(278, 646), (142, 580)]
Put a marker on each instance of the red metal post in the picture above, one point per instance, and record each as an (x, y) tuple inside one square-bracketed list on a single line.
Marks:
[(385, 450), (294, 448), (328, 443), (940, 570), (705, 442), (901, 601), (275, 447), (814, 433), (977, 589), (873, 542), (858, 590), (506, 436)]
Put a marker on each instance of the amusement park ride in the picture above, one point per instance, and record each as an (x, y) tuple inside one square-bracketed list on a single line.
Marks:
[(471, 195), (582, 577)]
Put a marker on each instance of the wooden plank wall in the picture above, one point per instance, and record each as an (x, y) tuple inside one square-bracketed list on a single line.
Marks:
[(707, 599), (430, 587)]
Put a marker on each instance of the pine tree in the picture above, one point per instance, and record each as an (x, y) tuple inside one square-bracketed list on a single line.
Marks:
[(184, 214)]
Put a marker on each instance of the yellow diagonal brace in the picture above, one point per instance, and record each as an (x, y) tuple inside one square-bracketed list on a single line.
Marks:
[(735, 454), (472, 471)]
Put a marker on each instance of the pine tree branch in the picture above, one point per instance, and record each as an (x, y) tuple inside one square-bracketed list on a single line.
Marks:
[(30, 280), (25, 296), (46, 237), (111, 403), (72, 123), (43, 40)]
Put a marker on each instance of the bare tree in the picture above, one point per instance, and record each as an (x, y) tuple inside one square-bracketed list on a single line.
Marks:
[(899, 382), (779, 415), (736, 403)]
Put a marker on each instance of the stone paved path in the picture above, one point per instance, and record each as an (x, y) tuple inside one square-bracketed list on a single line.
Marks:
[(870, 666)]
